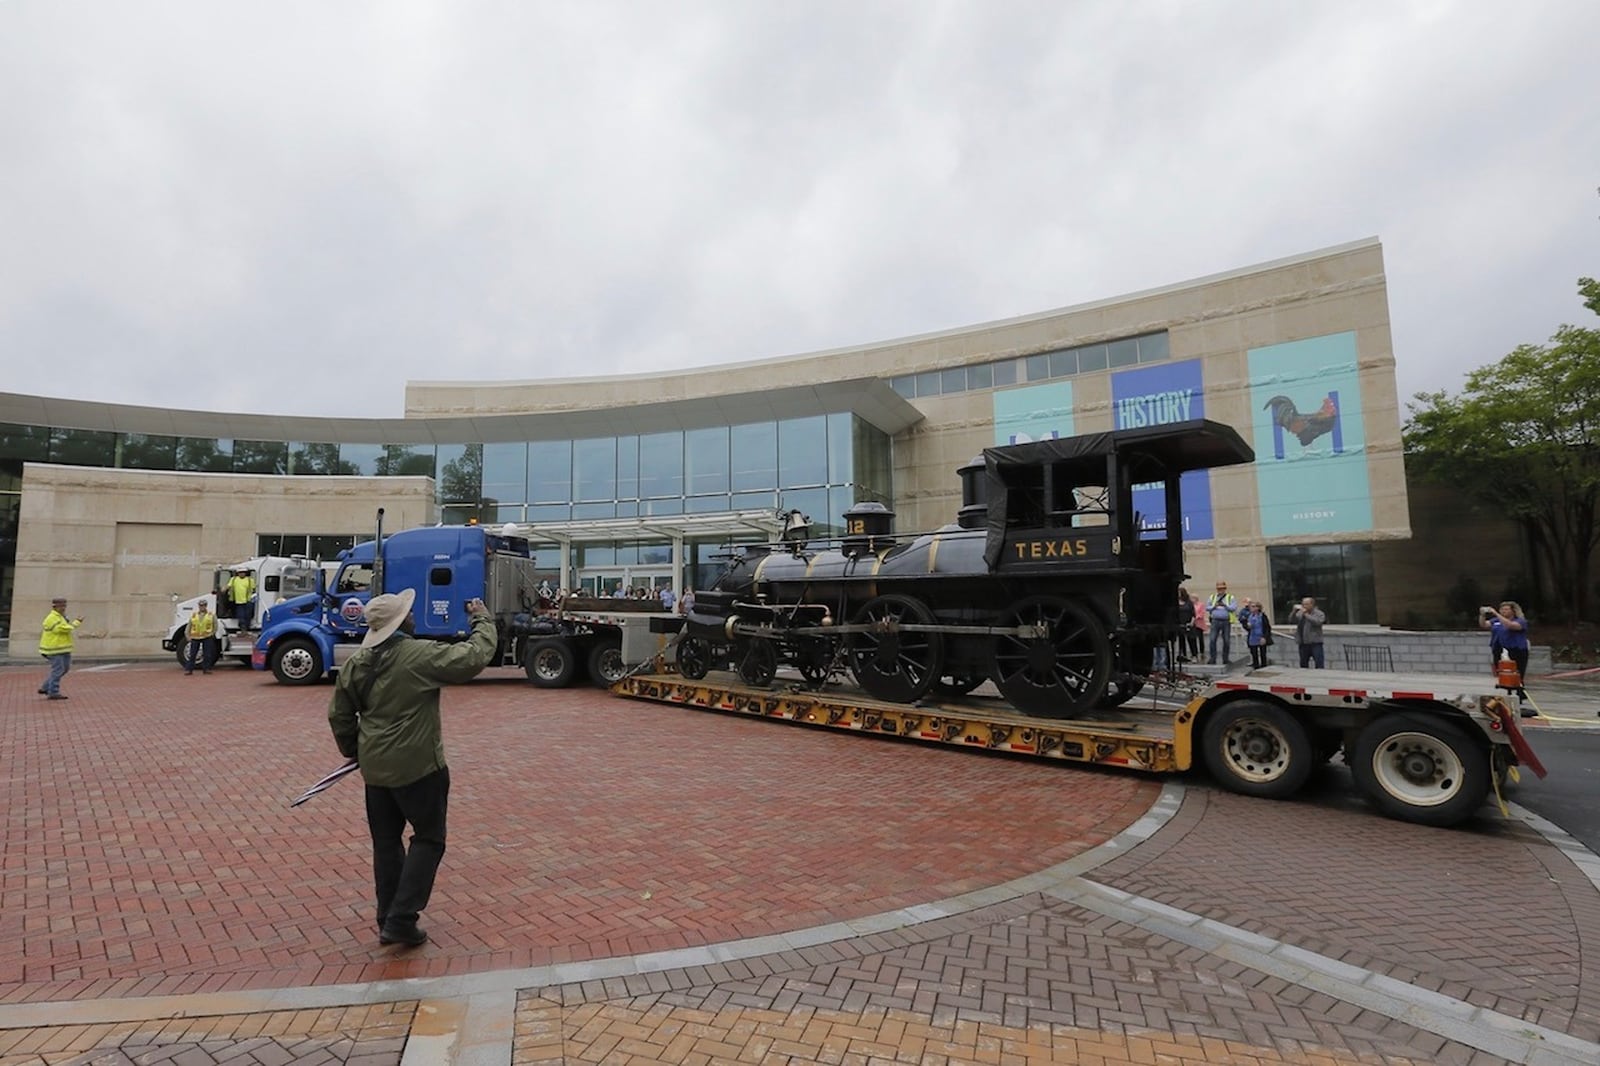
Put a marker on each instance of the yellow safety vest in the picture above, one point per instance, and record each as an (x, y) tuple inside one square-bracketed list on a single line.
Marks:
[(241, 589), (202, 626), (57, 635)]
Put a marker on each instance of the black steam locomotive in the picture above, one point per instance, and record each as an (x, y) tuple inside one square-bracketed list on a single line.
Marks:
[(1043, 585)]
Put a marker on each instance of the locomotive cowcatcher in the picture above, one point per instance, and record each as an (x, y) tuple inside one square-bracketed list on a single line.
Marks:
[(1046, 584)]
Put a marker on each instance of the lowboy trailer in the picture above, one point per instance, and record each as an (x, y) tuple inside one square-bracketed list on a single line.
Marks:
[(1425, 749)]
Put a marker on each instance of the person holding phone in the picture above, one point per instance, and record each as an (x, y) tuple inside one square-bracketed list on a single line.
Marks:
[(385, 714), (1508, 632)]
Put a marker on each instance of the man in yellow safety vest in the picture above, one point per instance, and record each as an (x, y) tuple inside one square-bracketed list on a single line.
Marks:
[(242, 591)]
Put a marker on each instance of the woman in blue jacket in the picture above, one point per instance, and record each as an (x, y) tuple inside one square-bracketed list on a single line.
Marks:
[(1508, 629)]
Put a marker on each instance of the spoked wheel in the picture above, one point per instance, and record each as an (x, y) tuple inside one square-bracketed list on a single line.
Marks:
[(756, 661), (813, 657), (1059, 673), (1421, 768), (892, 663), (694, 658)]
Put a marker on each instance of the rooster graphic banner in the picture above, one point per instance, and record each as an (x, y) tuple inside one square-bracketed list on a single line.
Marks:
[(1311, 462), (1156, 396)]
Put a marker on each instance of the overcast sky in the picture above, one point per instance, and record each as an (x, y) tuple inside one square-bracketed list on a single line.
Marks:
[(297, 207)]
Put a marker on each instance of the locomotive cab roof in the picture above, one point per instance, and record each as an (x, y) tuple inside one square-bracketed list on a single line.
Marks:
[(1199, 444)]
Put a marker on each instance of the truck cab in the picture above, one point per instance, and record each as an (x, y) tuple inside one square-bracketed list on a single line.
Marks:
[(303, 638), (277, 578)]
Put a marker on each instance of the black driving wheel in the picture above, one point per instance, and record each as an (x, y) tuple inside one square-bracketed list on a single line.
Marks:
[(1059, 671), (813, 657), (890, 662), (756, 661), (694, 658)]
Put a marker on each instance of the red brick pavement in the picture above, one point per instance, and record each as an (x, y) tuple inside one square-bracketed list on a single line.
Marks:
[(1486, 913), (1030, 981), (149, 849)]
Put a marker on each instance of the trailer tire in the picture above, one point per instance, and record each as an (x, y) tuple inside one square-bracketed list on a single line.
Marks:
[(550, 662), (296, 661), (606, 666), (1419, 768), (1257, 748)]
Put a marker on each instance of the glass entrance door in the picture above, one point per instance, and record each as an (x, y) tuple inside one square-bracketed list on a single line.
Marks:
[(605, 582)]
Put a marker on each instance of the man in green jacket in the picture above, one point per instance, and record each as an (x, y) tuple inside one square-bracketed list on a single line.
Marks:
[(385, 712)]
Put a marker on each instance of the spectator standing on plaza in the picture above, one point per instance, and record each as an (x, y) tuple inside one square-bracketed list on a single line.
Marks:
[(385, 713), (242, 591), (55, 644), (667, 598), (1222, 608), (1202, 622), (1308, 621), (1257, 631), (1183, 618), (1508, 629), (686, 601), (202, 650)]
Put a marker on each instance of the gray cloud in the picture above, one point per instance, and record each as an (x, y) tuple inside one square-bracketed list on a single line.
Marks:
[(297, 207)]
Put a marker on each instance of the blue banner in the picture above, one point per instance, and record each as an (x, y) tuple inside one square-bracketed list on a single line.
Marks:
[(1156, 396), (1311, 456), (1034, 412)]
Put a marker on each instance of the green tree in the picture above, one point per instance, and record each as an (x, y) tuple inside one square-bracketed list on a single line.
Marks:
[(1524, 435)]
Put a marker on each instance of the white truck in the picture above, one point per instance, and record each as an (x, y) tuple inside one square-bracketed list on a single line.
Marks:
[(277, 577)]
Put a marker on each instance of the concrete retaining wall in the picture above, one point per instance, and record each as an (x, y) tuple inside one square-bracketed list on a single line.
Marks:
[(1367, 647)]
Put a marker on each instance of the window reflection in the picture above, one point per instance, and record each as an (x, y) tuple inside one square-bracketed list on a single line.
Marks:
[(550, 471), (82, 447), (705, 460), (141, 451), (660, 467), (755, 456), (803, 451), (594, 469), (505, 472), (260, 457), (204, 454)]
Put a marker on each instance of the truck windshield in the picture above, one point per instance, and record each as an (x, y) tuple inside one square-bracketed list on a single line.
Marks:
[(297, 581), (357, 577)]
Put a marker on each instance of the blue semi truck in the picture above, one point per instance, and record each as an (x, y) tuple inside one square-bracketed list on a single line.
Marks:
[(312, 635)]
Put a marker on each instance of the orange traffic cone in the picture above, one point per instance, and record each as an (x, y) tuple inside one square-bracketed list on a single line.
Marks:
[(1505, 673)]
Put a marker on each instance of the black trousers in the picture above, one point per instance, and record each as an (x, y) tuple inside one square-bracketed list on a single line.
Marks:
[(403, 876)]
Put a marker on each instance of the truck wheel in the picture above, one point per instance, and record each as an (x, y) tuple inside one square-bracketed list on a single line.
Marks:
[(181, 639), (694, 658), (296, 661), (606, 667), (550, 663), (1258, 749), (1419, 768)]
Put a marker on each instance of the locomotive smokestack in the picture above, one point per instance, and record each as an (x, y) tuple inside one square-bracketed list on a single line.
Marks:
[(974, 513), (868, 528)]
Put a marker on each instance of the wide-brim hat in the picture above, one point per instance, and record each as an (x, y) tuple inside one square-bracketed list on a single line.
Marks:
[(384, 615)]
